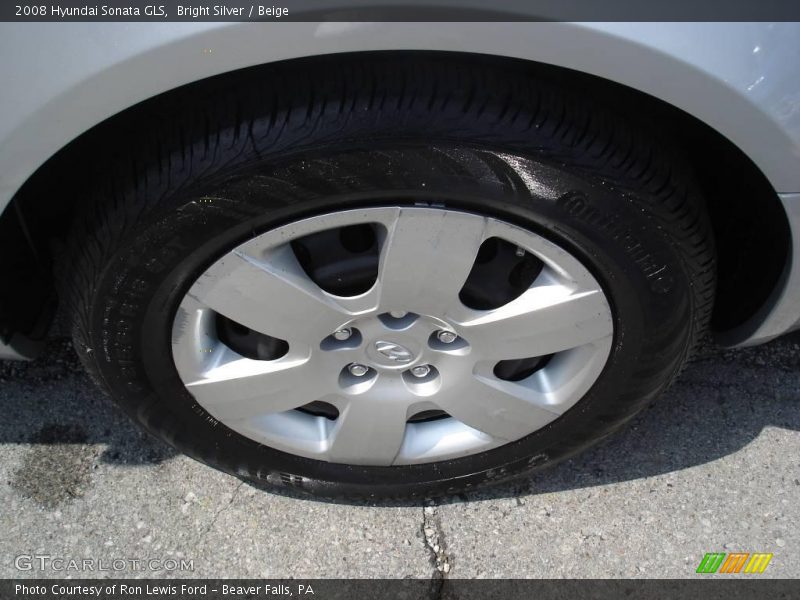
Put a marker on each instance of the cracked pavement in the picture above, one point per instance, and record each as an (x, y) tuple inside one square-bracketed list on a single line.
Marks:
[(714, 466)]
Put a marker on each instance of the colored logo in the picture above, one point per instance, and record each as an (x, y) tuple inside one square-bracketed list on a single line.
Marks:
[(735, 562)]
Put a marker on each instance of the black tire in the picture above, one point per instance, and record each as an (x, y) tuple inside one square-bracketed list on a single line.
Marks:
[(269, 146)]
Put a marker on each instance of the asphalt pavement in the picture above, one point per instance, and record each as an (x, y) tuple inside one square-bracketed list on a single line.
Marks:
[(713, 466)]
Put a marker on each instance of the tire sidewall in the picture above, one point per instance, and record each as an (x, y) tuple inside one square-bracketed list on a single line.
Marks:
[(627, 248)]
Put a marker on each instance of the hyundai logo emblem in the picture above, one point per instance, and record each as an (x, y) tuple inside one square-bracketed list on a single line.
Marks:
[(394, 352)]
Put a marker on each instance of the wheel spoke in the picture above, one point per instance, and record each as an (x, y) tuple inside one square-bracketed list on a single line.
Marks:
[(426, 260), (273, 296), (544, 320), (369, 430), (498, 410), (244, 388)]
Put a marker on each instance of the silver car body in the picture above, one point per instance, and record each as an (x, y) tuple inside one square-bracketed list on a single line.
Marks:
[(741, 79)]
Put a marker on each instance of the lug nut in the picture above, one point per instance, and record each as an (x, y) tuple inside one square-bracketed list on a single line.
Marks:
[(420, 370), (520, 252), (446, 337), (357, 370), (398, 314), (343, 334)]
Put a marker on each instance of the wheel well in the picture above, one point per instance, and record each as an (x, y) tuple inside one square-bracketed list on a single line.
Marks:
[(750, 226)]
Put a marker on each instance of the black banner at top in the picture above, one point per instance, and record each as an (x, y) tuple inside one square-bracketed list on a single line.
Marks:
[(400, 10)]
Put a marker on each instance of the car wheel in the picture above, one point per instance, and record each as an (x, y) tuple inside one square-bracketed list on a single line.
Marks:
[(331, 286)]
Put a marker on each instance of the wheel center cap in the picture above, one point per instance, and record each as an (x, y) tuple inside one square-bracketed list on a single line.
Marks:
[(393, 352)]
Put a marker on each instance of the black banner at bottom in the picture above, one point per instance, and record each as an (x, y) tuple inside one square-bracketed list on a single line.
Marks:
[(711, 588)]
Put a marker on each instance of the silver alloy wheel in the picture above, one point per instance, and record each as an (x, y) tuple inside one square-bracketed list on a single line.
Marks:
[(426, 255)]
